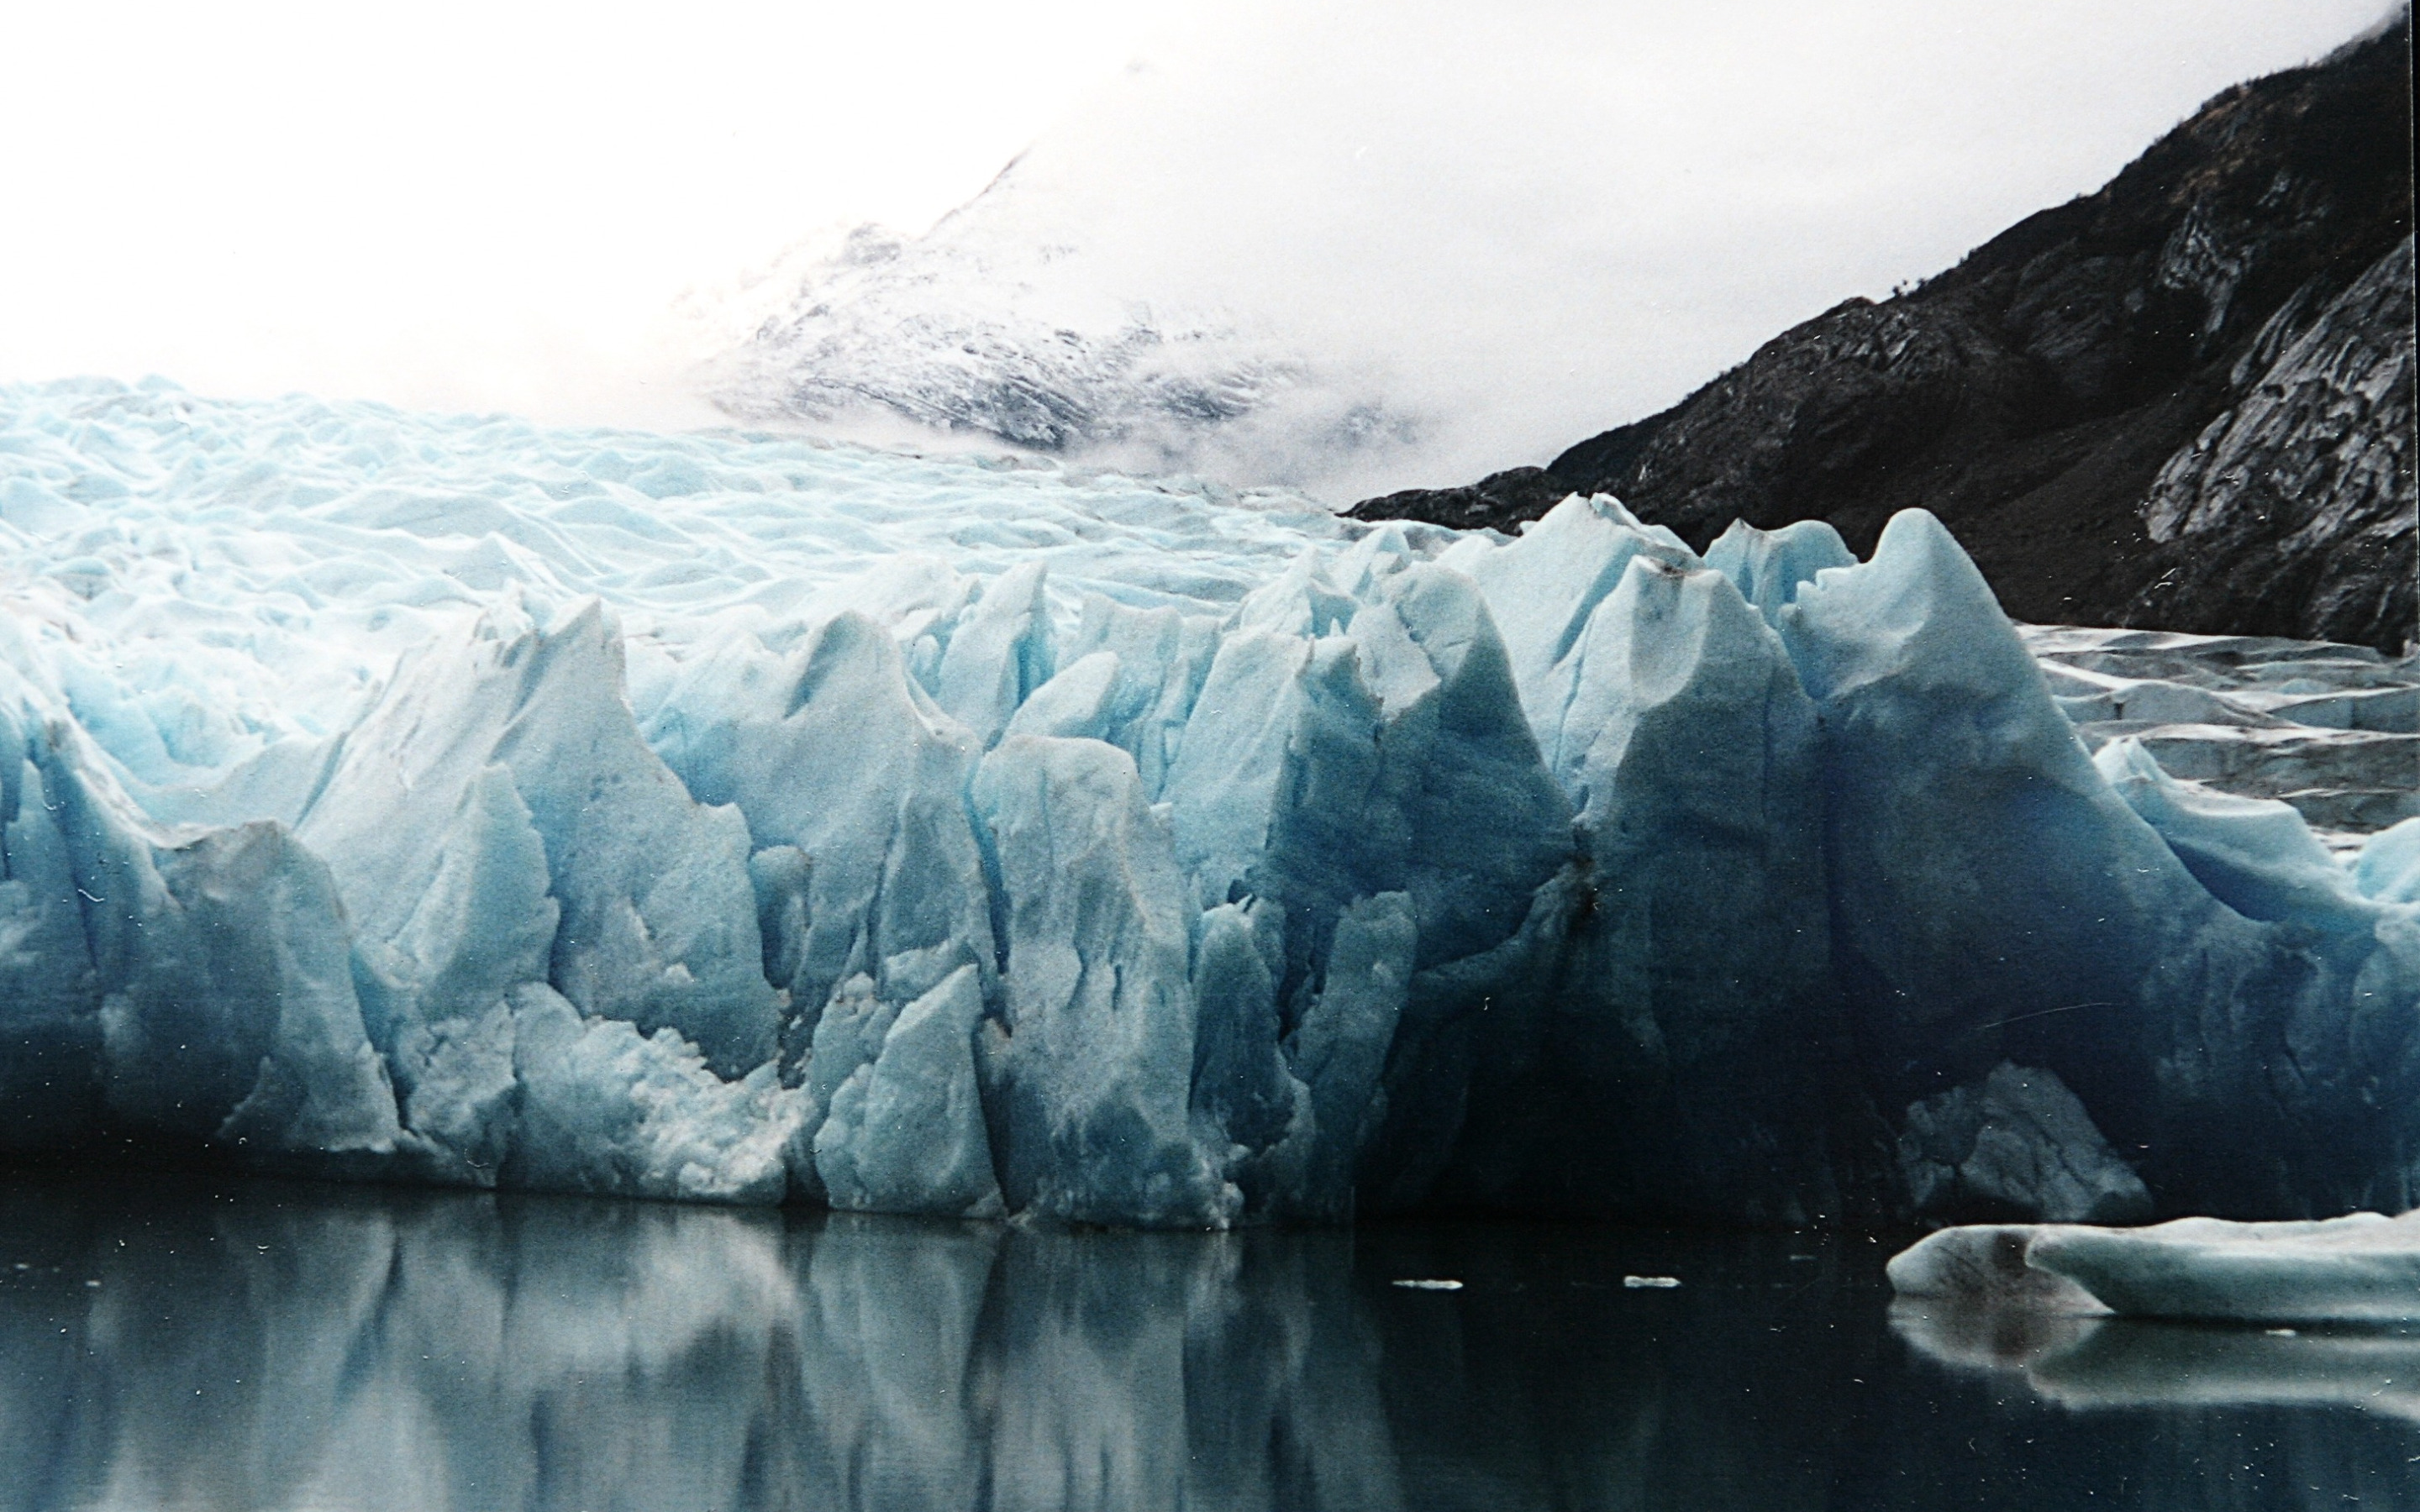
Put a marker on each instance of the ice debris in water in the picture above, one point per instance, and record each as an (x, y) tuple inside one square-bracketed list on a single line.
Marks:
[(744, 818), (2361, 1268)]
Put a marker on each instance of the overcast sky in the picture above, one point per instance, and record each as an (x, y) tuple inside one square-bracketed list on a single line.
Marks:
[(508, 207), (478, 205)]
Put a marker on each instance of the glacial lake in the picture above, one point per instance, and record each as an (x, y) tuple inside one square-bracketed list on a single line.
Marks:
[(187, 1342)]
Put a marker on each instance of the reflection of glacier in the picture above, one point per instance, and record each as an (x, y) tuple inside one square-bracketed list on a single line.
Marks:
[(2101, 1361), (742, 818), (254, 1348), (458, 1353)]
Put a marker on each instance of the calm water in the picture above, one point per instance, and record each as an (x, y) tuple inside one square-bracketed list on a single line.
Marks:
[(172, 1344)]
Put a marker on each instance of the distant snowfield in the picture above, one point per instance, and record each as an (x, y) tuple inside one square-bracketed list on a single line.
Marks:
[(258, 565)]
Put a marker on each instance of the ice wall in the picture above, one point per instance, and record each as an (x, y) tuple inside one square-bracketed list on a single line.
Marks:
[(739, 818)]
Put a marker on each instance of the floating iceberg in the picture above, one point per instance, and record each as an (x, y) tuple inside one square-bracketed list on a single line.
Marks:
[(2359, 1268), (2101, 1317), (745, 818)]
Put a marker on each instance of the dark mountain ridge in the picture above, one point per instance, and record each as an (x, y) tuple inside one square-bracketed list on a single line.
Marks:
[(2185, 400)]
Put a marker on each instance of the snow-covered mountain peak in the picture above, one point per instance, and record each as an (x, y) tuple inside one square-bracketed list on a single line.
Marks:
[(1008, 323)]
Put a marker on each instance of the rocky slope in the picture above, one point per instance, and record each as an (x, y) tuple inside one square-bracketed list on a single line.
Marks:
[(2185, 400)]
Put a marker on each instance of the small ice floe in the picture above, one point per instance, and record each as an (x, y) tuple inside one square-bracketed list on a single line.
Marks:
[(1426, 1283), (2121, 1317), (1653, 1283), (2359, 1269), (2091, 1316)]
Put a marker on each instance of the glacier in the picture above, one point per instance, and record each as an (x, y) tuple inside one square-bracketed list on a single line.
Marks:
[(746, 818)]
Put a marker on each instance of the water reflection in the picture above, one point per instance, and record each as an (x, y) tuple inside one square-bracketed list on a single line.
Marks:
[(2091, 1362), (262, 1347)]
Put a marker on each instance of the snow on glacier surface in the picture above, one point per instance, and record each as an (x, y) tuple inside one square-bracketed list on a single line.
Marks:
[(739, 817)]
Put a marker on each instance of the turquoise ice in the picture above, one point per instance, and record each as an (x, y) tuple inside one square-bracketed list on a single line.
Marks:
[(739, 817)]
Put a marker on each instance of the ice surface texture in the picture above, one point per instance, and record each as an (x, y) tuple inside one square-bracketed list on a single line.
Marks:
[(2362, 1267), (2331, 730), (743, 818)]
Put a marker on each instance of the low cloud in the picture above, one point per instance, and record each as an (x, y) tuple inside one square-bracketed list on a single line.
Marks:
[(1485, 231)]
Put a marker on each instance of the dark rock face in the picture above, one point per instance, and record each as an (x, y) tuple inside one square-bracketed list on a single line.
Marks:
[(2295, 505), (2183, 401), (1515, 494)]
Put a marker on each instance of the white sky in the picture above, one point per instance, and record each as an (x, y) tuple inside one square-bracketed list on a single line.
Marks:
[(495, 206), (486, 205)]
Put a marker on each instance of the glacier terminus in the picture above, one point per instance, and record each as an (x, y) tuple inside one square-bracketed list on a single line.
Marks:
[(744, 818)]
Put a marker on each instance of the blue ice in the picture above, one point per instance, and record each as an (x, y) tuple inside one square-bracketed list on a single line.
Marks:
[(750, 819)]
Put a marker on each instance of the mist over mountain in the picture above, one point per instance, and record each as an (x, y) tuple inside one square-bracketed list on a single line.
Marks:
[(2185, 401), (1350, 247), (992, 325)]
